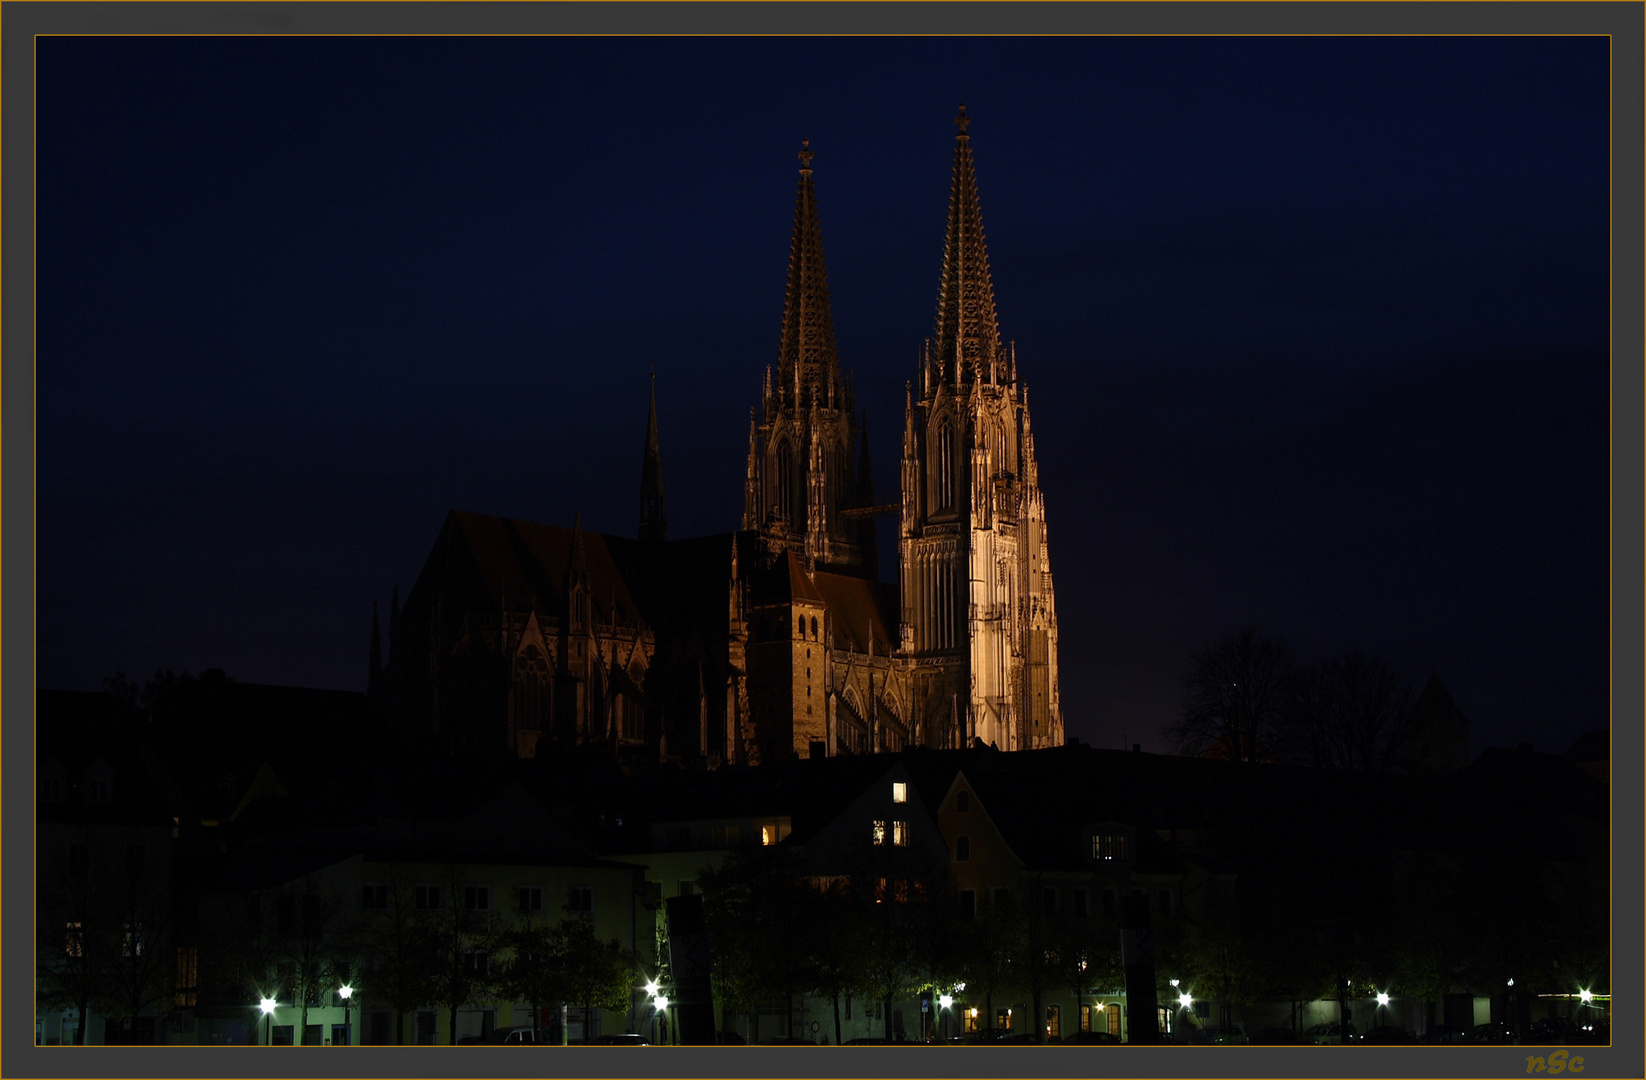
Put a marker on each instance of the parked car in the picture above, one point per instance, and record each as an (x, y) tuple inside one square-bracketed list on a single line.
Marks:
[(624, 1039), (1445, 1034), (786, 1040), (1549, 1031), (1388, 1035), (1496, 1033), (868, 1040), (1328, 1034), (1091, 1038), (1223, 1035), (1593, 1033), (1276, 1036), (729, 1038)]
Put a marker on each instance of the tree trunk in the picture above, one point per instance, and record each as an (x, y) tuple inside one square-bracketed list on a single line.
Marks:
[(399, 1028), (887, 1023), (837, 1018), (451, 1034)]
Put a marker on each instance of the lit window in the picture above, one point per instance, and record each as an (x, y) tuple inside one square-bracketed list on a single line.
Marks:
[(1109, 847), (768, 835), (900, 793), (879, 832), (900, 834), (74, 940)]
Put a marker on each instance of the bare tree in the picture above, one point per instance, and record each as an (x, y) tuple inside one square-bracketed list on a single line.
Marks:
[(1235, 696), (398, 947), (1349, 713)]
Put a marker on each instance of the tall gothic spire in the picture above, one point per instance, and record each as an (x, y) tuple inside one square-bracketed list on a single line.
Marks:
[(808, 368), (653, 520), (968, 332)]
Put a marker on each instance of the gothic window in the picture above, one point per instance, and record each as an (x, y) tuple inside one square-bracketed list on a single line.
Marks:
[(945, 467), (800, 626), (814, 628), (531, 692), (785, 481)]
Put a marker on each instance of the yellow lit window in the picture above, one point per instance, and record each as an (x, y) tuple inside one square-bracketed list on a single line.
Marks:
[(900, 793), (879, 832)]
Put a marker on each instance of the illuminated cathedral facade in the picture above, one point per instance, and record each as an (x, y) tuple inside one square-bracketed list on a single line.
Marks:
[(776, 640)]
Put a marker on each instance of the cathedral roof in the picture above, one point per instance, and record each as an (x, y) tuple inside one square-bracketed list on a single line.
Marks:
[(967, 330), (522, 565), (858, 611)]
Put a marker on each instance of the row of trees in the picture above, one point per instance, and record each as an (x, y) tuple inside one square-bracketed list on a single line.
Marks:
[(1248, 698), (125, 957), (886, 933), (1302, 929)]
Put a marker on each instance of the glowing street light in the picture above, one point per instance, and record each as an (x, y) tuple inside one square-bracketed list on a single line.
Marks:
[(1585, 996), (662, 1002), (651, 987), (1383, 999), (346, 992), (1185, 999), (268, 1005)]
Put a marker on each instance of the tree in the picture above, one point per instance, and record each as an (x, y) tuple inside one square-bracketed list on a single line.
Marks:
[(1348, 713), (308, 944), (595, 974), (1234, 697), (398, 950), (992, 946), (464, 935), (753, 904), (533, 971)]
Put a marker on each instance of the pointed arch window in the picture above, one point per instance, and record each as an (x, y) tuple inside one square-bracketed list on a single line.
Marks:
[(785, 481), (532, 692), (945, 467)]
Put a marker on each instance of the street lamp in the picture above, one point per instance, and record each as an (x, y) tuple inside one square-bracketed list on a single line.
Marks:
[(346, 992), (943, 1003), (267, 1005), (662, 1008)]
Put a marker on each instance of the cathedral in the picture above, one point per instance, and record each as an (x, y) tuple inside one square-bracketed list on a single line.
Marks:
[(779, 639)]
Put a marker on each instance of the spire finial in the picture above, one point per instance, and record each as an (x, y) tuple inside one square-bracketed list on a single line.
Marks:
[(962, 120), (805, 155)]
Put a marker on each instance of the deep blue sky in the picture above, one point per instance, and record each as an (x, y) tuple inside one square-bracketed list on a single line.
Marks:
[(1315, 329)]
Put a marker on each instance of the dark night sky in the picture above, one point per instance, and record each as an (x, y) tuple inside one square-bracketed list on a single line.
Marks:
[(1315, 330)]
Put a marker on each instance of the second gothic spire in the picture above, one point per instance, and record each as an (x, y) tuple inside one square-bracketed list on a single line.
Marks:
[(967, 337)]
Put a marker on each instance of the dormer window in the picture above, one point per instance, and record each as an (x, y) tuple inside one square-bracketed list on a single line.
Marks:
[(900, 793), (1109, 846)]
